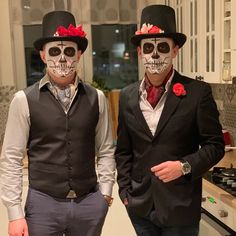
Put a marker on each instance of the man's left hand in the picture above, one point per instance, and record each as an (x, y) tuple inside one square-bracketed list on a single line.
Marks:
[(168, 171)]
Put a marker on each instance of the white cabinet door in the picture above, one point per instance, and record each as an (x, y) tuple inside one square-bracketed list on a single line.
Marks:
[(233, 38), (201, 21), (204, 39), (207, 230)]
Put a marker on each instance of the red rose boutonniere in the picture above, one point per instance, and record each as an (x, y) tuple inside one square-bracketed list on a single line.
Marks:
[(71, 31), (179, 90)]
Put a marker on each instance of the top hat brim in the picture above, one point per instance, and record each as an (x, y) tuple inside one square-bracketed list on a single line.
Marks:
[(81, 42), (178, 38)]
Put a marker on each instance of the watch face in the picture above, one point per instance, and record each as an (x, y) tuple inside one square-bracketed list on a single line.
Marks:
[(186, 168)]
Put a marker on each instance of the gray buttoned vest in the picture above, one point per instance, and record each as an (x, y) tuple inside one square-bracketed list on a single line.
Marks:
[(61, 147)]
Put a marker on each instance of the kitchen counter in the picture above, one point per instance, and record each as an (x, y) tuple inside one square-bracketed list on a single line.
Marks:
[(228, 199), (219, 193)]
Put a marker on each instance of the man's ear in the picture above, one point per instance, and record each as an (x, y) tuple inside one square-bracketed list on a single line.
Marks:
[(139, 51), (79, 54), (175, 51), (42, 55)]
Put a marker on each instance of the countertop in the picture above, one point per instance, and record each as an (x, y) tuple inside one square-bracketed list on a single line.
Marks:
[(228, 159)]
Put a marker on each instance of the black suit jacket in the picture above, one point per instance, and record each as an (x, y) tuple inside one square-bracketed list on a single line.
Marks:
[(188, 129)]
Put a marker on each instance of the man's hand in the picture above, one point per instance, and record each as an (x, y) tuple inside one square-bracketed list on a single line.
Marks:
[(125, 202), (108, 199), (168, 171), (18, 228)]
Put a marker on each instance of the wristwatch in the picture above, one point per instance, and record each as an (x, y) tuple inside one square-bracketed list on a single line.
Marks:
[(108, 199), (186, 167)]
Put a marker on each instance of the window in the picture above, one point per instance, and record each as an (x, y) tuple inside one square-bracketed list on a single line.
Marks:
[(115, 61), (34, 64)]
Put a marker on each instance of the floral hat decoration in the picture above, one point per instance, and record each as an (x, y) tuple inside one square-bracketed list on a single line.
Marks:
[(158, 21), (60, 26)]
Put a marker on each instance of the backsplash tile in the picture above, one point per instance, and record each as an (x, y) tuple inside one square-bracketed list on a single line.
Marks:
[(225, 96), (6, 94)]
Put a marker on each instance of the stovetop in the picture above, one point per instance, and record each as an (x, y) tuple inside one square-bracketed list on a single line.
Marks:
[(224, 178)]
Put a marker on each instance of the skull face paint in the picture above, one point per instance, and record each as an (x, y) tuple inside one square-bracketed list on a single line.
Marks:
[(156, 54), (61, 58)]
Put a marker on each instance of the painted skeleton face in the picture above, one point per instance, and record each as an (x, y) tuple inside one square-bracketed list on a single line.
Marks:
[(61, 58), (156, 54)]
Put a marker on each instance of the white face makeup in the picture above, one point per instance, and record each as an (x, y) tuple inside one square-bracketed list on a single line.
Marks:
[(156, 54), (61, 58)]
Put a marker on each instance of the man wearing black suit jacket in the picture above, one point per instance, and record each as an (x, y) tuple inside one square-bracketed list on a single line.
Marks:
[(169, 135)]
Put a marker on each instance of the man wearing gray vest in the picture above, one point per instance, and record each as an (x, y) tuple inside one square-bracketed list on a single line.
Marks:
[(63, 123)]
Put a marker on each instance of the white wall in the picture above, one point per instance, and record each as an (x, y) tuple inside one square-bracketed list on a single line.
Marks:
[(6, 48)]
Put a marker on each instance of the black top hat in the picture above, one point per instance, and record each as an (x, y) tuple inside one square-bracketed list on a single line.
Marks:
[(162, 18), (55, 19)]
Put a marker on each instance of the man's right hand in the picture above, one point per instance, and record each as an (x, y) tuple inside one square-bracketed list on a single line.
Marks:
[(125, 202), (18, 228)]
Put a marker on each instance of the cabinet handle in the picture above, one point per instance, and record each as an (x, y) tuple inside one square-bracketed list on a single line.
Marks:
[(223, 213)]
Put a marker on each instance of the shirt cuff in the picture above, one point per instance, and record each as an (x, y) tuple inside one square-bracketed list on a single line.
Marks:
[(106, 188), (15, 213)]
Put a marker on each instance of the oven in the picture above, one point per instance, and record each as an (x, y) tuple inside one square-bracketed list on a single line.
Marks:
[(218, 216), (211, 226)]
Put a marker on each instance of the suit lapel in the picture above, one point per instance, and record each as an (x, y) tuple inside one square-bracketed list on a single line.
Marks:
[(171, 104), (134, 104)]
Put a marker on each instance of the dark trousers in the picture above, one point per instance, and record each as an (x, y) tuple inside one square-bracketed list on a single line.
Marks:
[(148, 226), (48, 216)]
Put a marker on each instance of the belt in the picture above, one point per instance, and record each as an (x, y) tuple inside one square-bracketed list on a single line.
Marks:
[(71, 194)]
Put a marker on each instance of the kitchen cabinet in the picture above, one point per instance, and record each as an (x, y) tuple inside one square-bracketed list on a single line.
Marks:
[(230, 14), (210, 51), (200, 20), (228, 43)]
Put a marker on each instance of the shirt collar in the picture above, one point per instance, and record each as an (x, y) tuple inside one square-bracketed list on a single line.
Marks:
[(46, 80)]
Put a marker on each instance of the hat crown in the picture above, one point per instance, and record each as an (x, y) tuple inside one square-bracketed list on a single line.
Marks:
[(60, 25), (158, 21), (161, 16), (53, 20)]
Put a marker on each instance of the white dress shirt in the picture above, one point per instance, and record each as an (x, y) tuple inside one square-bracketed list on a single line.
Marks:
[(152, 115)]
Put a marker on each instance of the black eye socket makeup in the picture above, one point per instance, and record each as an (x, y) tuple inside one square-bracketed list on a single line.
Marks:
[(69, 51), (54, 51), (163, 47), (148, 48)]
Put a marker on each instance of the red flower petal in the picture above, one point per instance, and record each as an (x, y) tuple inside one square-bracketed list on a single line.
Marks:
[(179, 89), (62, 31), (154, 30), (71, 31)]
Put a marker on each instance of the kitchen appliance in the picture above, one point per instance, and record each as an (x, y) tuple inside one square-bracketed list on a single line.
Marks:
[(218, 215), (224, 178)]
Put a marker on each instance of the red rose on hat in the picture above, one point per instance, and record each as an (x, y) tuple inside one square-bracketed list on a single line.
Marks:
[(71, 31), (179, 90)]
